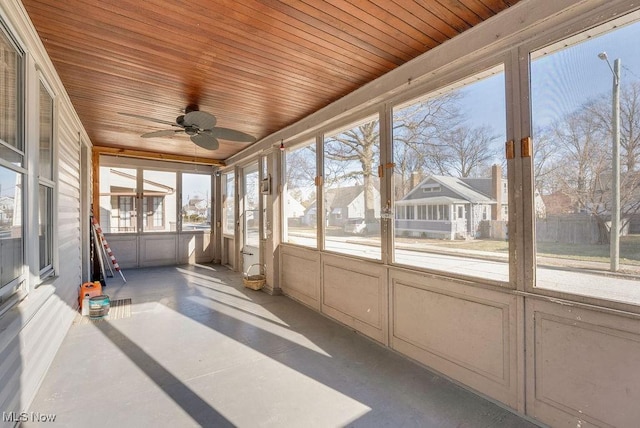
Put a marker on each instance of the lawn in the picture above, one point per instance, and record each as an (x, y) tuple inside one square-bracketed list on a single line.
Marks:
[(629, 248)]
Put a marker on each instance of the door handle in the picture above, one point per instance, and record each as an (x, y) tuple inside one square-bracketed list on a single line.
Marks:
[(246, 254)]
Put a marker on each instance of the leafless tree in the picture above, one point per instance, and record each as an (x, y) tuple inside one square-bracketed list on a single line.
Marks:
[(352, 155), (416, 137), (547, 163), (601, 110), (465, 151)]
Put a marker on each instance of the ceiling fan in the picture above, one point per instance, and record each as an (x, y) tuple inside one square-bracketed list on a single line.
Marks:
[(200, 126)]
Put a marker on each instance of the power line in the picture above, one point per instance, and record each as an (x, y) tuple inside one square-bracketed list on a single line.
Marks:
[(631, 71)]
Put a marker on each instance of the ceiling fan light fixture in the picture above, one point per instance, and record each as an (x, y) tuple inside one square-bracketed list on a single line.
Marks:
[(199, 126)]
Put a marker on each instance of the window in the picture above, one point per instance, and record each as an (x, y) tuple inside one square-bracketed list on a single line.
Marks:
[(196, 202), (126, 214), (46, 183), (45, 229), (422, 212), (431, 188), (574, 164), (118, 191), (250, 206), (228, 203), (11, 231), (446, 150), (300, 202), (12, 173), (153, 206), (352, 189), (265, 190), (409, 212), (159, 201)]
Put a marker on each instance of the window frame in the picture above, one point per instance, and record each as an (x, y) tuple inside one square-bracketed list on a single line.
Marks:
[(138, 219), (336, 128), (18, 284), (582, 29), (300, 144), (455, 75), (229, 205), (210, 202), (49, 183)]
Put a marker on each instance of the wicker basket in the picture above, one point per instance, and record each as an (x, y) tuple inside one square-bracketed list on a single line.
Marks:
[(254, 282)]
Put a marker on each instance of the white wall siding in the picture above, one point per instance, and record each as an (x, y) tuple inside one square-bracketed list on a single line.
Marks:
[(32, 330)]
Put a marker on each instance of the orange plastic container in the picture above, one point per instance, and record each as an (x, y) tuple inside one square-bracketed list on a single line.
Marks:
[(91, 288)]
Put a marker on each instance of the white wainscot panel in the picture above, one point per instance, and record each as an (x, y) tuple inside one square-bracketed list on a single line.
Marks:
[(300, 275), (583, 366), (195, 248), (467, 333), (355, 293), (158, 250), (125, 249)]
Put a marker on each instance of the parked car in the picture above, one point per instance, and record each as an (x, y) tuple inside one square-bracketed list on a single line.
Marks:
[(360, 226)]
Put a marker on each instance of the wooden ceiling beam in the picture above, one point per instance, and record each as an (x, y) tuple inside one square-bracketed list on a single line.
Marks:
[(142, 154)]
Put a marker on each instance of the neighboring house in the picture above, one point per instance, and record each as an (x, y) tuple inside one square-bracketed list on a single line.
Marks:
[(310, 215), (6, 209), (197, 207), (341, 204), (118, 201), (345, 203), (295, 211), (453, 208)]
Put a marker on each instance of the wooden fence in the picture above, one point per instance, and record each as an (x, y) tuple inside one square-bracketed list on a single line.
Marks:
[(568, 229)]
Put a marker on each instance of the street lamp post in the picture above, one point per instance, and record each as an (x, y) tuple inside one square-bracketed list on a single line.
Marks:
[(614, 245)]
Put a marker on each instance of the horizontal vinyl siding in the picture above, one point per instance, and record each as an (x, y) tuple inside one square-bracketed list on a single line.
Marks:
[(32, 331)]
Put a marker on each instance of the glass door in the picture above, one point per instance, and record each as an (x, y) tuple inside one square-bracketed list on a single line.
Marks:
[(250, 218)]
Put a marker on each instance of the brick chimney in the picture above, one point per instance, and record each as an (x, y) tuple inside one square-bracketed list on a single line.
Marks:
[(496, 192), (415, 179)]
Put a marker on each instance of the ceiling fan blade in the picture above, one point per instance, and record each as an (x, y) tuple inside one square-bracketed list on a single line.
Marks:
[(201, 119), (161, 133), (206, 141), (232, 135), (137, 116)]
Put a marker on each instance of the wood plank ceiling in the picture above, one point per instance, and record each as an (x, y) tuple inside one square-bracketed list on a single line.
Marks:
[(257, 65)]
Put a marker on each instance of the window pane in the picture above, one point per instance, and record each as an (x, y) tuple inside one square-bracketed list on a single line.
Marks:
[(450, 192), (228, 203), (10, 95), (352, 190), (572, 103), (45, 227), (251, 211), (11, 232), (265, 190), (300, 203), (46, 134), (159, 201), (118, 199), (196, 202)]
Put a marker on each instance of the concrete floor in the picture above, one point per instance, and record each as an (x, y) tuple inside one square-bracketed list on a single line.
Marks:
[(199, 349)]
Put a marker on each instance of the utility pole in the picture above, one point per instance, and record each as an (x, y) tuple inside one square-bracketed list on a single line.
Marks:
[(614, 241)]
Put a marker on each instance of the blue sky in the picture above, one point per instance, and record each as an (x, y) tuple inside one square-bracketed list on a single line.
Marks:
[(564, 80), (560, 81)]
